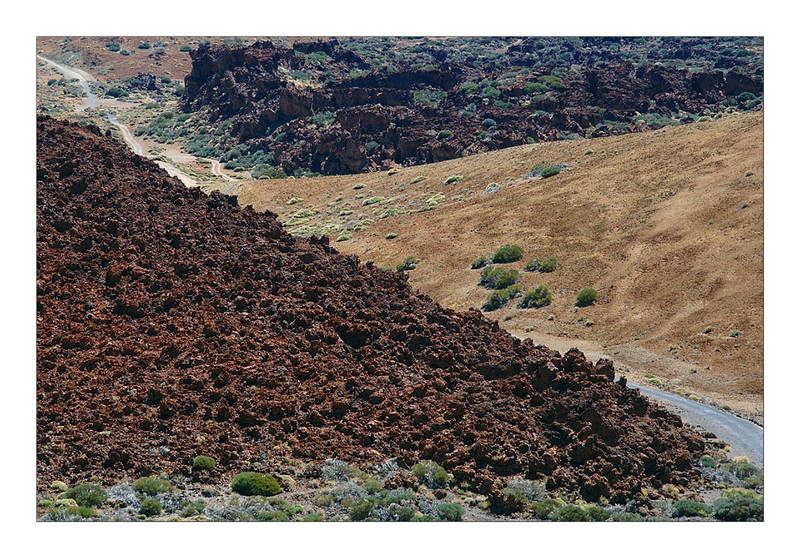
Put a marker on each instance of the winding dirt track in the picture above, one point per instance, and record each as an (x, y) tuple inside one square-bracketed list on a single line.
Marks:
[(92, 101)]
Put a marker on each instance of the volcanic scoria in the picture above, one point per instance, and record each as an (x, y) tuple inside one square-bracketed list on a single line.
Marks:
[(172, 324)]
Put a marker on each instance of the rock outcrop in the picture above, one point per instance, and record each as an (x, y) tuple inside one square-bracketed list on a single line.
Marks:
[(267, 93)]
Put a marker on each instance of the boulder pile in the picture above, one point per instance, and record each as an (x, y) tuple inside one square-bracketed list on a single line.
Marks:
[(173, 324)]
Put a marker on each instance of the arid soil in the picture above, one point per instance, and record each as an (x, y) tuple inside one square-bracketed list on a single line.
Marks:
[(666, 225), (172, 324)]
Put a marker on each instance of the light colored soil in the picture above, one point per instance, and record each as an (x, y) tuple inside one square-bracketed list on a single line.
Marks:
[(666, 225)]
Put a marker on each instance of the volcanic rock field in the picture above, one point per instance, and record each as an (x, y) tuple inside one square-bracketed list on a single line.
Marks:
[(167, 318)]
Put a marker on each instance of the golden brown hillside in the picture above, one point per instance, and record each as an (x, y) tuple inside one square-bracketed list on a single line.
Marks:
[(666, 225)]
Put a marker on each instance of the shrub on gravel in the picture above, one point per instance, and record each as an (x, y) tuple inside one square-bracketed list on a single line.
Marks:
[(739, 509), (495, 301), (450, 511), (361, 510), (690, 508), (430, 473), (489, 123), (87, 495), (498, 278), (550, 171), (152, 486), (150, 507), (454, 178), (537, 298), (255, 484), (507, 253), (542, 265), (586, 297)]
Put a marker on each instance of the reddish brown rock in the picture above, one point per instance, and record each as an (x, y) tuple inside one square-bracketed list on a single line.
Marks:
[(201, 327)]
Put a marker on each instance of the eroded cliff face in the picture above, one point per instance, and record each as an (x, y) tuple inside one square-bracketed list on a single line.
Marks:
[(363, 118), (171, 319)]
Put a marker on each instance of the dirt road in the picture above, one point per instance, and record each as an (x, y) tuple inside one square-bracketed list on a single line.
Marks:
[(93, 101)]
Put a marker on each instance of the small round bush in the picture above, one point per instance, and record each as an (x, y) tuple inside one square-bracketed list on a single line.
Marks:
[(537, 298), (430, 473), (489, 123), (152, 486), (690, 508), (361, 510), (450, 511), (444, 134), (203, 463), (87, 495), (498, 278), (495, 301), (255, 484), (571, 512), (150, 507), (507, 253), (586, 297), (550, 171)]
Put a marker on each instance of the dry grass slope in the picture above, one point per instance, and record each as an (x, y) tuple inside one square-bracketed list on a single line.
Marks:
[(666, 225)]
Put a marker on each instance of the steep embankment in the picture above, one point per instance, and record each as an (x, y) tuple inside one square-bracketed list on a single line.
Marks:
[(172, 324), (667, 225)]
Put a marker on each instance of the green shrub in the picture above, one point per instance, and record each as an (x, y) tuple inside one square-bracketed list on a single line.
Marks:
[(418, 179), (739, 509), (185, 48), (493, 277), (87, 495), (550, 171), (468, 88), (116, 92), (152, 486), (481, 261), (690, 508), (203, 463), (255, 484), (507, 253), (113, 47), (190, 508), (450, 511), (444, 134), (372, 486), (545, 508), (454, 178), (707, 461), (537, 298), (373, 200), (361, 510), (150, 507), (312, 516), (571, 512), (553, 82), (430, 474), (407, 264), (144, 45), (489, 123), (372, 147), (586, 297), (495, 300), (542, 265)]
